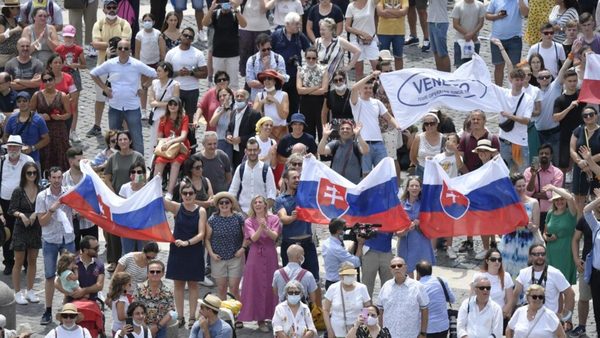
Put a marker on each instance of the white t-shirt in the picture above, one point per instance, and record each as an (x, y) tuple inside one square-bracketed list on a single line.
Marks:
[(544, 327), (190, 59), (497, 294), (256, 21), (362, 19), (367, 112), (448, 163), (149, 51), (126, 190), (137, 335), (518, 135), (550, 55), (353, 302), (283, 7), (468, 15), (62, 333), (555, 284), (117, 324)]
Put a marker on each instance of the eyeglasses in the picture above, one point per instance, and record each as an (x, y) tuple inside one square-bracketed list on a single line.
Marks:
[(495, 259), (296, 164), (47, 79), (310, 57), (429, 124), (586, 115), (155, 272), (548, 33), (224, 202), (173, 103), (188, 193), (197, 167), (338, 80), (544, 77), (123, 49), (536, 297), (484, 288), (222, 80), (187, 36), (139, 172), (266, 49), (294, 293), (396, 266), (111, 8), (68, 315), (31, 173), (538, 254)]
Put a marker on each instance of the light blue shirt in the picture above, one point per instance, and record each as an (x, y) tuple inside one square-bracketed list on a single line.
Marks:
[(220, 329), (594, 225), (334, 254), (544, 121), (125, 81), (438, 316), (509, 26), (254, 66)]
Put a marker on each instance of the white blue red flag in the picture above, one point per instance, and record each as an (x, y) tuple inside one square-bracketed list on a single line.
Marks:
[(482, 202), (141, 216), (590, 87), (324, 194)]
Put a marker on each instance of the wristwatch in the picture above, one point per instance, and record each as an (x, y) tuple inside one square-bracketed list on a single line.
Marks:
[(33, 148)]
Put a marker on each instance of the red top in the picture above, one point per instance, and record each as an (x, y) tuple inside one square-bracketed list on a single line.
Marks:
[(69, 54)]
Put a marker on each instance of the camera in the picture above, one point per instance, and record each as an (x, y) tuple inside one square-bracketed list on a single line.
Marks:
[(364, 230), (112, 47)]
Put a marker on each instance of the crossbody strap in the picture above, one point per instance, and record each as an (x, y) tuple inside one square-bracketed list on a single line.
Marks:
[(534, 324), (445, 291), (518, 104), (343, 307), (165, 91)]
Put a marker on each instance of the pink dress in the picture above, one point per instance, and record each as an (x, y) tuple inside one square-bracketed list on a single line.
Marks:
[(258, 298)]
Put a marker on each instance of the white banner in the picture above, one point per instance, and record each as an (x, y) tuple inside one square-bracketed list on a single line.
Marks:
[(412, 92)]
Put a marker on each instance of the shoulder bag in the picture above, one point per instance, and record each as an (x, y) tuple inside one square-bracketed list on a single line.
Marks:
[(151, 116), (171, 152), (509, 124), (452, 314)]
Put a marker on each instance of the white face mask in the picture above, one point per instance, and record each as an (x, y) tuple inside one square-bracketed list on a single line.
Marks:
[(148, 24), (340, 88), (293, 299), (70, 327), (302, 260), (270, 89), (348, 280), (371, 321), (239, 105), (138, 324), (111, 17)]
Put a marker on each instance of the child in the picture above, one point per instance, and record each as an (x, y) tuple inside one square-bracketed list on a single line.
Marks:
[(66, 269), (149, 51), (74, 59), (571, 35), (119, 298)]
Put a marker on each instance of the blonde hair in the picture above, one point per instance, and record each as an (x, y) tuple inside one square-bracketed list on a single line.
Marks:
[(329, 23), (261, 122), (251, 212), (534, 287)]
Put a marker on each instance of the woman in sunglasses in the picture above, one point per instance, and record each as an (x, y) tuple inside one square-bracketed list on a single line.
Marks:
[(312, 83), (136, 262), (588, 135), (426, 144), (209, 102), (292, 317), (68, 317), (137, 174), (27, 233), (534, 319), (336, 106), (186, 256)]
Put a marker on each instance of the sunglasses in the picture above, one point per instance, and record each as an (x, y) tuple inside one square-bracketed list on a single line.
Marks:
[(31, 173), (187, 36), (221, 80), (536, 297), (69, 315), (188, 193), (538, 254), (266, 49), (197, 167), (111, 8), (544, 77), (310, 57), (495, 259), (173, 104), (294, 293), (429, 124), (548, 33), (155, 272), (486, 288), (396, 266), (338, 80), (586, 115), (139, 172), (123, 49), (296, 164), (224, 202), (47, 79)]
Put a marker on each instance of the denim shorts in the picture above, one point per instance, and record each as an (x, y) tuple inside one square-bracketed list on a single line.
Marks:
[(396, 41), (51, 253), (181, 5), (437, 37), (375, 155), (458, 60), (513, 47)]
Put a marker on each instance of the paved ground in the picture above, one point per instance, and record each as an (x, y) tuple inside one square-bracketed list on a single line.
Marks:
[(458, 272)]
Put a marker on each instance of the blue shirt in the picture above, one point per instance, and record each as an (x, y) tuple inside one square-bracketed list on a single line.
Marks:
[(297, 228), (382, 242), (289, 48), (254, 66), (438, 316), (509, 26), (334, 254), (31, 131), (595, 226), (220, 329)]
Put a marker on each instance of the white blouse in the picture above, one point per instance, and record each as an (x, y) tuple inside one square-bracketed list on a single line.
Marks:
[(285, 320), (544, 324)]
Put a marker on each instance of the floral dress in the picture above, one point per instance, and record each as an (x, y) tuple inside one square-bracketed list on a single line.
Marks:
[(538, 15), (55, 153), (515, 246)]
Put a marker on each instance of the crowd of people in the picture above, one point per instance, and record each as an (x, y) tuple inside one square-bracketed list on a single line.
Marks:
[(287, 80)]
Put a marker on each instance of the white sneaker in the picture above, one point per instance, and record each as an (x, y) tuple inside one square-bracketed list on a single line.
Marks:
[(20, 299), (91, 51), (74, 137), (481, 254), (207, 282), (101, 296), (145, 114), (32, 297), (202, 35), (450, 252), (569, 177)]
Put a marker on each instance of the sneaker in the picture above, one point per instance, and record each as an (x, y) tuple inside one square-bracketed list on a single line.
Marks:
[(207, 282), (577, 332), (202, 36), (426, 46), (481, 254), (466, 246), (32, 297), (95, 131), (74, 137), (569, 177), (412, 40), (20, 299), (450, 252), (91, 51), (46, 318), (8, 270), (144, 114), (101, 296)]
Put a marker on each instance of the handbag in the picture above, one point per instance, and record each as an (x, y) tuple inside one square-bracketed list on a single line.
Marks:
[(151, 116), (75, 4), (587, 265), (509, 124), (317, 317), (171, 152), (452, 314)]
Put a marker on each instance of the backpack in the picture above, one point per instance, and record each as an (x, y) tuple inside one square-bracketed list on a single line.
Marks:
[(101, 24), (49, 8), (286, 278), (126, 12), (355, 149), (265, 171)]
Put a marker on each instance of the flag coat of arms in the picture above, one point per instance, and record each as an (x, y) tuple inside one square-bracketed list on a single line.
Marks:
[(323, 194), (141, 216), (590, 87), (482, 202)]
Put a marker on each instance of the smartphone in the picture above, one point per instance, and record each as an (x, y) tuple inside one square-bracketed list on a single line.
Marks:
[(502, 12), (129, 321), (535, 162), (364, 313)]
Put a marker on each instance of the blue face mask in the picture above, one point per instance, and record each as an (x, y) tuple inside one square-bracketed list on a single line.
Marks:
[(293, 299), (226, 6)]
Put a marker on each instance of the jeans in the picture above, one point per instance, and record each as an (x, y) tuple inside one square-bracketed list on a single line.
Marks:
[(134, 124), (506, 153), (376, 153), (130, 245), (513, 47), (437, 36), (396, 41), (181, 5), (51, 251)]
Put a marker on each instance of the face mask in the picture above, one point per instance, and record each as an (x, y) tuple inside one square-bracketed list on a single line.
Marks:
[(148, 24), (71, 327), (111, 17), (348, 280), (311, 66), (138, 324), (270, 89), (139, 178), (372, 321), (239, 105), (173, 315), (293, 299), (340, 88)]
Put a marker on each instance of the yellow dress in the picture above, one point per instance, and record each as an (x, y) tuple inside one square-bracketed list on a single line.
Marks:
[(538, 15)]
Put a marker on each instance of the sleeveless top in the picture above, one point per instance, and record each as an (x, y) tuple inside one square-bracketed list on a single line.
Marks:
[(170, 43), (44, 52), (270, 109), (331, 57), (9, 46), (426, 149), (53, 108)]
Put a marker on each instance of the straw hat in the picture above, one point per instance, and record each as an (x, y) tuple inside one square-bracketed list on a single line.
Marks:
[(211, 301), (348, 272), (12, 3), (69, 308), (227, 195)]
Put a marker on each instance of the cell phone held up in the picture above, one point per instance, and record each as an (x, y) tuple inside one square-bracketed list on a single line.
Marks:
[(129, 321), (502, 12)]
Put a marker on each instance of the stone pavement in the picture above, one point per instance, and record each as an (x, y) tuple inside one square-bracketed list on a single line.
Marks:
[(458, 272)]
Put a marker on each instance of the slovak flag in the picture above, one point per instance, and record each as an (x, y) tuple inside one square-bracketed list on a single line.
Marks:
[(141, 216), (482, 202), (590, 87), (324, 194)]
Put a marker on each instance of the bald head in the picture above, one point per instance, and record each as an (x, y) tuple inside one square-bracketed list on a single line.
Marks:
[(299, 148), (295, 253)]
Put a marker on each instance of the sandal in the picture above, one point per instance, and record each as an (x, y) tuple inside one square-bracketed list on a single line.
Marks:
[(191, 322), (239, 325), (180, 322)]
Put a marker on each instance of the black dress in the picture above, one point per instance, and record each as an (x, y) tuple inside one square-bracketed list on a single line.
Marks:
[(186, 263), (29, 237)]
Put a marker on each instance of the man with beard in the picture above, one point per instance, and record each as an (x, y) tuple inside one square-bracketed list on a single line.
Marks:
[(538, 176), (347, 151), (551, 279), (10, 176), (242, 125)]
